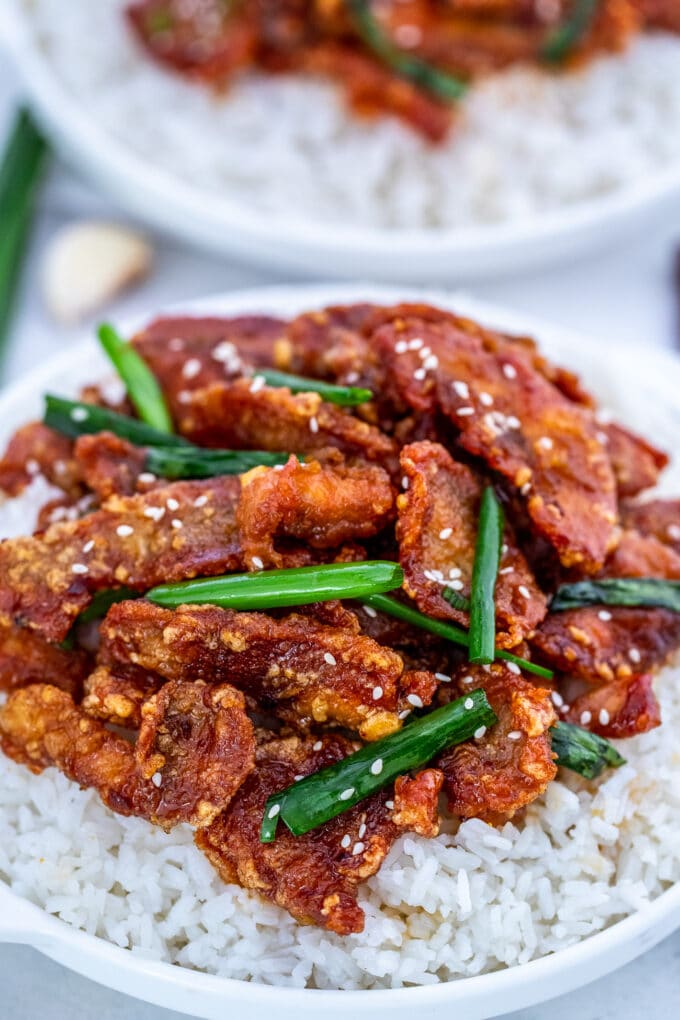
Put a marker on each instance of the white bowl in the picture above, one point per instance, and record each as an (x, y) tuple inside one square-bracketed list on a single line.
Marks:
[(409, 255), (652, 402)]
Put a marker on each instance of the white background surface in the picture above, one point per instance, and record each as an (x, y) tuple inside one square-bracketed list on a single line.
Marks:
[(626, 296)]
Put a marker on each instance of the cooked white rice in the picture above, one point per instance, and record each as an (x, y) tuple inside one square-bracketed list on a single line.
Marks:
[(474, 900), (528, 142)]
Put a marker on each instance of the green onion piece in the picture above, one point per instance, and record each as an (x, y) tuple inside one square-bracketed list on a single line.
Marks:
[(439, 83), (484, 574), (328, 793), (563, 39), (74, 418), (345, 396), (614, 591), (140, 382), (455, 599), (385, 604), (272, 589), (194, 462), (21, 170), (102, 602), (583, 752)]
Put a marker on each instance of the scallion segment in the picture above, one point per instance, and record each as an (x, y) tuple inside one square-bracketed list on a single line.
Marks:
[(484, 574), (344, 396), (195, 462), (102, 602), (439, 83), (563, 40), (74, 418), (456, 600), (275, 589), (140, 382), (583, 752), (21, 170), (324, 795), (448, 631), (634, 592)]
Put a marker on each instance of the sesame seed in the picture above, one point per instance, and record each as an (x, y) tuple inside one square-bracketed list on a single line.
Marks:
[(446, 533), (604, 717), (443, 678), (155, 513), (515, 735), (523, 590), (172, 504), (352, 377), (297, 779), (456, 584), (313, 425), (462, 389), (257, 563), (673, 532), (634, 655), (513, 422), (467, 679), (486, 399), (469, 703), (415, 344), (362, 830), (330, 659), (176, 523), (509, 371), (32, 467), (419, 374), (357, 849), (79, 568), (465, 412), (401, 347), (200, 501), (455, 572), (124, 530), (147, 478), (257, 384), (377, 693), (89, 546), (431, 362), (157, 779), (346, 794), (504, 549), (370, 611), (526, 489), (557, 698), (604, 616), (273, 811), (184, 397), (506, 570), (415, 700), (602, 438), (545, 442), (389, 804), (79, 414), (404, 714), (176, 344), (424, 353), (514, 668), (345, 842), (317, 746), (191, 368), (586, 717), (480, 732)]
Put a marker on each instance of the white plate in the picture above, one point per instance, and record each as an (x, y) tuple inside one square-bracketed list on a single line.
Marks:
[(416, 256), (651, 402)]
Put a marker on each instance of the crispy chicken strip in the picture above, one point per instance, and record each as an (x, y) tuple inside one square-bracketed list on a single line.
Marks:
[(657, 518), (437, 531), (416, 802), (326, 506), (625, 707), (109, 466), (26, 658), (34, 450), (642, 556), (311, 672), (636, 463), (194, 750), (314, 877), (117, 696), (510, 415), (509, 766)]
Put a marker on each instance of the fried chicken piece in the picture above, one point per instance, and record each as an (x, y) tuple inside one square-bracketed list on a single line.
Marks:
[(544, 445), (117, 696), (326, 506), (636, 463), (416, 802), (314, 877), (657, 518), (310, 672), (109, 466), (329, 344), (237, 416), (34, 450), (187, 354), (509, 766), (26, 658), (639, 555), (437, 532), (625, 707), (195, 748), (185, 530)]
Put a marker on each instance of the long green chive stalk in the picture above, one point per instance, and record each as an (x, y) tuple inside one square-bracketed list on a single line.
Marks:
[(195, 462), (484, 574), (140, 382), (449, 631), (583, 752), (274, 589), (439, 83), (455, 599), (325, 794), (344, 396), (21, 170), (563, 39), (74, 418), (625, 591)]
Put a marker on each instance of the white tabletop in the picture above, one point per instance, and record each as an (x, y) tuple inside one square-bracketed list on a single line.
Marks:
[(626, 295)]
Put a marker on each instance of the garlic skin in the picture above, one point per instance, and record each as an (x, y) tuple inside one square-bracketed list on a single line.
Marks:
[(87, 264)]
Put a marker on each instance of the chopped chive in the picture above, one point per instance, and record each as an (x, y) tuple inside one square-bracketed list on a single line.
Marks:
[(324, 795), (345, 396), (566, 36), (272, 589), (140, 382), (614, 591), (455, 599), (74, 418), (439, 83), (195, 462), (484, 574), (21, 171), (449, 631), (583, 752), (102, 602)]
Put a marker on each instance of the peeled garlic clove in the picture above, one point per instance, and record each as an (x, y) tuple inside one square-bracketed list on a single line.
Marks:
[(87, 264)]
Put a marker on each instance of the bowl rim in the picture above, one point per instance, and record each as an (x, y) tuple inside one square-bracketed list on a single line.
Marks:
[(511, 988)]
